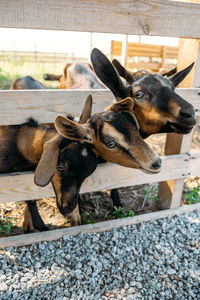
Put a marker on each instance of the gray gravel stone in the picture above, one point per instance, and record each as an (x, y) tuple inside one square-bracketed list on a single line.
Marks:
[(3, 286), (153, 260)]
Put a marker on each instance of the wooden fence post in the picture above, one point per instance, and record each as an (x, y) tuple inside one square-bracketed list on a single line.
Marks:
[(124, 50), (170, 192)]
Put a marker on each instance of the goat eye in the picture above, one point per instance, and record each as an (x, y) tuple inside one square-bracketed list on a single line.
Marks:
[(110, 144), (139, 94), (60, 168)]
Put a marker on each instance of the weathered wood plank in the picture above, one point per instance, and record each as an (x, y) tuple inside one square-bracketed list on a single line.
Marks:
[(45, 105), (192, 95), (128, 17), (107, 176), (28, 239), (170, 192), (194, 164), (185, 60)]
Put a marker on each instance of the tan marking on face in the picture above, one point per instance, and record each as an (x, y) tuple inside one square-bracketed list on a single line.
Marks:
[(149, 119), (110, 131), (136, 89), (174, 108), (56, 182), (140, 155)]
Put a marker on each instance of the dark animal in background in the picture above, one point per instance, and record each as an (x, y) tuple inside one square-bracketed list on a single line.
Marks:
[(158, 108), (26, 83), (77, 75)]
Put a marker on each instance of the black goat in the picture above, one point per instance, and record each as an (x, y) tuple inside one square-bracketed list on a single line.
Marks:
[(158, 108)]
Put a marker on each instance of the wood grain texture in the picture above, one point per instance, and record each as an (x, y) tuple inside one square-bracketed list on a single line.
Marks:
[(155, 17), (44, 105), (194, 164), (19, 187), (28, 239)]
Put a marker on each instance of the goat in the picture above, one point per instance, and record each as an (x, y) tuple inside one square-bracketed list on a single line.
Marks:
[(158, 108), (26, 83), (113, 136), (64, 162), (77, 75)]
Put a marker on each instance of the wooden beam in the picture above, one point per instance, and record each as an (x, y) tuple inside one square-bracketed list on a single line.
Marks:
[(20, 187), (115, 16), (45, 105), (29, 239)]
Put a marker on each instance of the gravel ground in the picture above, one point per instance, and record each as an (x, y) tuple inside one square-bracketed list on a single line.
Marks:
[(151, 260)]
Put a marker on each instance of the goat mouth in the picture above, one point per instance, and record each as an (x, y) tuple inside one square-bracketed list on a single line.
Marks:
[(183, 127), (150, 172), (66, 212)]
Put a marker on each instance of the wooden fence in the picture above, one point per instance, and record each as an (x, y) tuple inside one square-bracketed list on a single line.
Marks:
[(42, 57), (145, 56), (116, 16)]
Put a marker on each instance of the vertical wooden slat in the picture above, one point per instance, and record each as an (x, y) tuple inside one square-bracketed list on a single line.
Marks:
[(170, 192), (124, 51), (164, 52)]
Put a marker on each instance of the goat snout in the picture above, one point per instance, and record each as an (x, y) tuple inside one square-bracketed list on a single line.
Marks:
[(187, 113), (157, 164)]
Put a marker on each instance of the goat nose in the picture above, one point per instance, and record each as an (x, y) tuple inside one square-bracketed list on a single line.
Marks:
[(157, 164), (187, 113)]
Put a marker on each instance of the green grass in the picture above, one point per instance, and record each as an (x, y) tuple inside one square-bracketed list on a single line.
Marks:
[(85, 219), (121, 213), (193, 196), (12, 69), (5, 226)]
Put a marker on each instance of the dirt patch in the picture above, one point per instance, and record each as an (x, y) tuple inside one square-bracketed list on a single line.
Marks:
[(98, 206)]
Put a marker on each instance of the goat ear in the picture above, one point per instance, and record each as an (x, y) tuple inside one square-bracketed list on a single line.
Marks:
[(46, 167), (65, 69), (74, 131), (122, 71), (87, 110), (178, 77), (108, 74), (123, 105), (169, 73)]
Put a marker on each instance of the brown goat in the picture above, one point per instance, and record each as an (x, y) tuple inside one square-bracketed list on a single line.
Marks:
[(77, 75), (114, 135)]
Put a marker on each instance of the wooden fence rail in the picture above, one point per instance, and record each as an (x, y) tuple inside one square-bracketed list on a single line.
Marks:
[(154, 17)]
